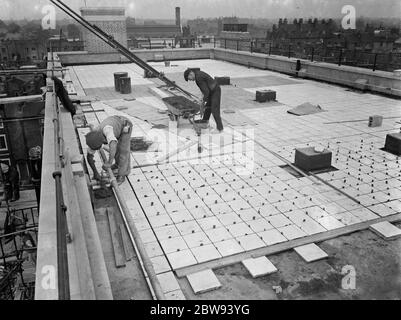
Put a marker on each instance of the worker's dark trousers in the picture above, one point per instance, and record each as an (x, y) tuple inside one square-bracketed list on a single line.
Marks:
[(213, 107), (123, 154)]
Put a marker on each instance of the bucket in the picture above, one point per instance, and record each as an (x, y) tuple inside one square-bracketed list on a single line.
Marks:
[(118, 75), (125, 85), (166, 63)]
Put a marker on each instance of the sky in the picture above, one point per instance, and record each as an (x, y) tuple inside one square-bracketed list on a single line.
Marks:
[(190, 9)]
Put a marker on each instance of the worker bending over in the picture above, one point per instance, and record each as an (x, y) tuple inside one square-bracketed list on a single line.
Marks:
[(211, 95), (116, 132)]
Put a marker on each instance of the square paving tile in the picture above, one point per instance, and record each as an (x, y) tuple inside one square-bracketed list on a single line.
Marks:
[(188, 227), (168, 282), (228, 247), (250, 242), (311, 252), (382, 210), (196, 239), (160, 264), (173, 244), (259, 267), (259, 225), (201, 213), (160, 221), (239, 229), (292, 232), (203, 281), (330, 223), (271, 237), (386, 230), (181, 216), (175, 295), (181, 259), (168, 232), (153, 249), (347, 218), (218, 234), (220, 208), (229, 218), (209, 223), (278, 221), (206, 253)]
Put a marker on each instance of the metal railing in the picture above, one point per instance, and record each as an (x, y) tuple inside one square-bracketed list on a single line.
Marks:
[(320, 53), (61, 219), (11, 250)]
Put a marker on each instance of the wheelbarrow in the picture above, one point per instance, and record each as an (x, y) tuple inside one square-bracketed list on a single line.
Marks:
[(181, 107)]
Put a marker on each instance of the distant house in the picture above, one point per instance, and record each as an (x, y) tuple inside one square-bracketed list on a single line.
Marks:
[(397, 45), (155, 30), (111, 20)]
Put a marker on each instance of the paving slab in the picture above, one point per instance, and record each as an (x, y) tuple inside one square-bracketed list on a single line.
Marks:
[(205, 253), (259, 267), (175, 295), (181, 259), (311, 252), (228, 247), (386, 230), (203, 281), (168, 282)]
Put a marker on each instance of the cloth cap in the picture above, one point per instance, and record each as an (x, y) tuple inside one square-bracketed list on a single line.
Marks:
[(94, 139), (186, 74)]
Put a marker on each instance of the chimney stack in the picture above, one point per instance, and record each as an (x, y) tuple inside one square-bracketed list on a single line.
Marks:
[(178, 16)]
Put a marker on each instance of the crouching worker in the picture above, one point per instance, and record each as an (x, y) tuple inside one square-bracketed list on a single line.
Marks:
[(115, 132)]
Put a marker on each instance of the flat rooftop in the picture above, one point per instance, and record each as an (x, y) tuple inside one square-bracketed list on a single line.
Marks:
[(238, 199)]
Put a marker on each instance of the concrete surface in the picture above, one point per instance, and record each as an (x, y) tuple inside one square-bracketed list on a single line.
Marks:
[(376, 261), (175, 192), (127, 283)]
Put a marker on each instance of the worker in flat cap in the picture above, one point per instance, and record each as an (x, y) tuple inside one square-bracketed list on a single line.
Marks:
[(211, 95), (10, 179), (114, 131)]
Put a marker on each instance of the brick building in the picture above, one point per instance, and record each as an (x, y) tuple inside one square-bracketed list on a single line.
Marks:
[(111, 20)]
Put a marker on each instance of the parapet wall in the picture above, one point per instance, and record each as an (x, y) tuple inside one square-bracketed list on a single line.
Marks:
[(358, 78), (85, 58)]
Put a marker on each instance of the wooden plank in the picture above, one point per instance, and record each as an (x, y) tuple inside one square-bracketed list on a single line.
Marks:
[(128, 249), (99, 270), (80, 250), (34, 98), (119, 255)]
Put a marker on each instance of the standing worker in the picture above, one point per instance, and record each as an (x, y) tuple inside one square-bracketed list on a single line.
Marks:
[(116, 132), (211, 95), (10, 177), (62, 94)]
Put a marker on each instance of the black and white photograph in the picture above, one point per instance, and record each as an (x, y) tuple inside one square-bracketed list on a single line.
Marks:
[(196, 158)]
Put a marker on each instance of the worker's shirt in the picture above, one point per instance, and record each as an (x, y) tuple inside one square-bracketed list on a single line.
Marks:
[(108, 132), (205, 83)]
